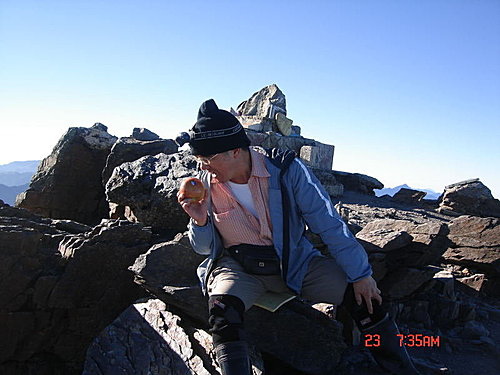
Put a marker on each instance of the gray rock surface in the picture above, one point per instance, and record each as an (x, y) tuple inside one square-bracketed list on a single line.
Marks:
[(148, 339), (329, 182), (475, 243), (168, 271), (264, 103), (405, 195), (284, 124), (358, 182), (397, 248), (469, 197), (403, 282), (68, 183), (318, 155), (149, 185), (128, 149), (384, 235), (143, 134)]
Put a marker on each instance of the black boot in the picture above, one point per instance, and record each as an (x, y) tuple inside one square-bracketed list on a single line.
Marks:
[(389, 354), (233, 358)]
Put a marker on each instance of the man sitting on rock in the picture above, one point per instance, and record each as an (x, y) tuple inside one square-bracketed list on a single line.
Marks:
[(251, 225)]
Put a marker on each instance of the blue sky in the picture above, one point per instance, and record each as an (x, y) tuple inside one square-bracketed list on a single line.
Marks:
[(407, 91)]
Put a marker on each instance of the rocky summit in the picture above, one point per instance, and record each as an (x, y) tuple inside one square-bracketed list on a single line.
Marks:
[(97, 275)]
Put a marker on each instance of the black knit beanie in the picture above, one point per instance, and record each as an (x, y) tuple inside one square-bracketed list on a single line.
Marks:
[(216, 131)]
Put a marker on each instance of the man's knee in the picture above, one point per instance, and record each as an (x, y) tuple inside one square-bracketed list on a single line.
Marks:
[(225, 318), (340, 290), (325, 281)]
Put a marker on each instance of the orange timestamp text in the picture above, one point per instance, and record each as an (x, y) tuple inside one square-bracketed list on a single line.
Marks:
[(411, 339)]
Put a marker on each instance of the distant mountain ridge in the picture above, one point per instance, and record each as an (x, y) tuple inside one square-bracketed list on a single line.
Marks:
[(15, 178), (431, 194), (28, 166), (9, 193)]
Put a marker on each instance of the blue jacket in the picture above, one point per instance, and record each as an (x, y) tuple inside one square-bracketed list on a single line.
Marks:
[(296, 199)]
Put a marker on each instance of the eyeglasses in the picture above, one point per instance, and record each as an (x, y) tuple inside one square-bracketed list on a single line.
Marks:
[(206, 160)]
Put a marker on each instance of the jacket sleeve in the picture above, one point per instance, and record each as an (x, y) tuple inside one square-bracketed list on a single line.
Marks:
[(201, 237), (321, 217)]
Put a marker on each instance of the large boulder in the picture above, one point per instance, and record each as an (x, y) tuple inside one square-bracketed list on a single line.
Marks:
[(60, 284), (405, 281), (30, 266), (143, 134), (409, 196), (148, 187), (398, 248), (68, 183), (148, 339), (142, 143), (475, 244), (405, 242), (470, 197), (265, 112), (264, 103), (168, 271), (358, 182)]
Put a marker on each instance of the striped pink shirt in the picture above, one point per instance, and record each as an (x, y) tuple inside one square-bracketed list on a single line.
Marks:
[(234, 222)]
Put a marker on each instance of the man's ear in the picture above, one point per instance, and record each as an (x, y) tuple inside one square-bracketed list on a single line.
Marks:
[(235, 152)]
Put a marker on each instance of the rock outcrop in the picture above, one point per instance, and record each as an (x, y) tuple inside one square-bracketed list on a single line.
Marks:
[(61, 283), (68, 183), (148, 339), (469, 197), (475, 244), (143, 134), (142, 143), (399, 248), (148, 187), (410, 196), (260, 111), (358, 182)]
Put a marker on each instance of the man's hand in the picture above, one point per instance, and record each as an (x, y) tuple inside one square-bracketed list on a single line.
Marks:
[(367, 289), (196, 209)]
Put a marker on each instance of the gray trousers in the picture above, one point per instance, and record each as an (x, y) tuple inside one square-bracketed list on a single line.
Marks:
[(324, 282)]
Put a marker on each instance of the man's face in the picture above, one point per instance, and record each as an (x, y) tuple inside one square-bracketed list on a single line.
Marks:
[(219, 165)]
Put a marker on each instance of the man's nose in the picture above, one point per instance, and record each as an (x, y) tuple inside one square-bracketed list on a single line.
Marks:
[(204, 166)]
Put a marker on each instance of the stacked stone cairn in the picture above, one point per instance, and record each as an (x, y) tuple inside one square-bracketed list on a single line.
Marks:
[(264, 116)]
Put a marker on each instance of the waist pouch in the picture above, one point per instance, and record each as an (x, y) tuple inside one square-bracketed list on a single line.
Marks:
[(255, 259)]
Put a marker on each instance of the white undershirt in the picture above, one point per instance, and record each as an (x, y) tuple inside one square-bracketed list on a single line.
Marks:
[(244, 196)]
